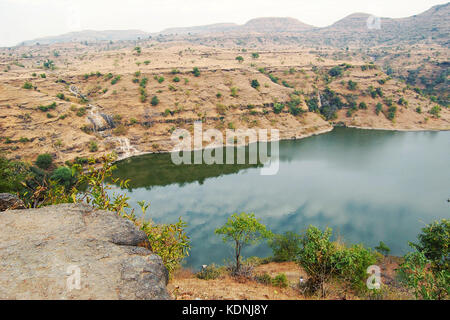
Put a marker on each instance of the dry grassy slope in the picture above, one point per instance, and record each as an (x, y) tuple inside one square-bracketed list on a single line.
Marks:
[(145, 125), (186, 286)]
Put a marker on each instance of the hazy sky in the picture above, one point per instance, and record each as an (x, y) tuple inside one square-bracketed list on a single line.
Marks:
[(28, 19)]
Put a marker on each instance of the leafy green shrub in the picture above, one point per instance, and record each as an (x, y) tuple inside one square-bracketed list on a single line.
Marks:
[(316, 257), (391, 113), (255, 55), (27, 85), (176, 79), (378, 108), (427, 284), (169, 241), (352, 85), (12, 175), (427, 270), (115, 80), (285, 246), (363, 105), (255, 84), (278, 107), (211, 272), (81, 112), (240, 59), (336, 71), (61, 96), (280, 280), (351, 265), (44, 161), (154, 101), (51, 106), (435, 111), (322, 259), (196, 72), (402, 101), (64, 176)]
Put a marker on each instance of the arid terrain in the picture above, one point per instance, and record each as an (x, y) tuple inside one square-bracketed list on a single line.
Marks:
[(94, 99)]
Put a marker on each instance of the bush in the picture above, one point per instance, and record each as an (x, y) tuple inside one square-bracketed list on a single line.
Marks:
[(316, 257), (63, 175), (255, 84), (363, 105), (322, 259), (44, 161), (240, 59), (264, 278), (278, 107), (351, 265), (280, 280), (351, 85), (211, 272), (28, 85), (196, 72), (12, 175), (93, 147), (427, 284), (435, 111), (154, 101), (336, 71), (378, 108), (285, 247)]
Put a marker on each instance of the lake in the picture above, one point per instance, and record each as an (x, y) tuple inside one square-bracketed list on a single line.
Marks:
[(366, 185)]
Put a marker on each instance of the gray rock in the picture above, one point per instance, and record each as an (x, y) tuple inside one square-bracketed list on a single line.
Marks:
[(10, 201), (41, 251)]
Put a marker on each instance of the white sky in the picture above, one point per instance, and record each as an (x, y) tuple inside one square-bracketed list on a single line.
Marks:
[(28, 19)]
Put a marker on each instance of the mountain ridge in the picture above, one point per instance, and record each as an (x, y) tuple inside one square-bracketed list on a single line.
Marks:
[(432, 23)]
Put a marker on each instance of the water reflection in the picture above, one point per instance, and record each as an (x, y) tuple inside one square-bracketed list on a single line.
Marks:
[(367, 185)]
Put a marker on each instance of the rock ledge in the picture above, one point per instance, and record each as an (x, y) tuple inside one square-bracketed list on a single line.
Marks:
[(42, 250)]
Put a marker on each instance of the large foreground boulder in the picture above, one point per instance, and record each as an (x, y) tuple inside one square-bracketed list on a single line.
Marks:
[(72, 251)]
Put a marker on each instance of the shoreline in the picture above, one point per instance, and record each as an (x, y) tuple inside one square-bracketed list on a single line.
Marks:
[(319, 132)]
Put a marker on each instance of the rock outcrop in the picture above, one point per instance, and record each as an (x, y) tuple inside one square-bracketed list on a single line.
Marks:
[(10, 201), (72, 251)]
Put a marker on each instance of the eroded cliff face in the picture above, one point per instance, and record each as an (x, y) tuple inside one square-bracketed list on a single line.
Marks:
[(72, 251)]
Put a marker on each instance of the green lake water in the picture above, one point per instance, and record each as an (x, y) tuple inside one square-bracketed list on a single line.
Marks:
[(367, 185)]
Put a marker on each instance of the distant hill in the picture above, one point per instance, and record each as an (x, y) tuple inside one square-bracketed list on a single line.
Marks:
[(272, 25), (432, 25), (212, 28), (91, 35)]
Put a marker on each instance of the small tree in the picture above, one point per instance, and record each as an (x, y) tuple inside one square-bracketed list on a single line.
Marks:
[(255, 55), (240, 59), (243, 230)]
